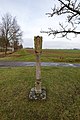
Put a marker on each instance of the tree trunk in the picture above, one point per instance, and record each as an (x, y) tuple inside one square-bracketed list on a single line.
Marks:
[(5, 49)]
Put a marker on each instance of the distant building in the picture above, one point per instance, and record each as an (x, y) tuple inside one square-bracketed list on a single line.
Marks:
[(8, 48)]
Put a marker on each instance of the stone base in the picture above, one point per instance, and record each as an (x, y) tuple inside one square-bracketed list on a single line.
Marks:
[(37, 96)]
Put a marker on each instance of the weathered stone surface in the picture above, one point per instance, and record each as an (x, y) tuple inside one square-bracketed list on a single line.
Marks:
[(38, 44), (37, 96), (38, 49), (38, 93)]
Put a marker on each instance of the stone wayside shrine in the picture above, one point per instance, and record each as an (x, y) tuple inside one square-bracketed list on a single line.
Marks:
[(38, 92)]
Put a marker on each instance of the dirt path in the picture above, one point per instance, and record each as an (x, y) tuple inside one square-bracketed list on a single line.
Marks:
[(16, 64)]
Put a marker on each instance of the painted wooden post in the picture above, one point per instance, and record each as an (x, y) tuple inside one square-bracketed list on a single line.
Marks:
[(38, 51)]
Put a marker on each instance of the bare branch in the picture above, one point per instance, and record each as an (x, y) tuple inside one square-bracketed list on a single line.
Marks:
[(70, 8), (63, 32)]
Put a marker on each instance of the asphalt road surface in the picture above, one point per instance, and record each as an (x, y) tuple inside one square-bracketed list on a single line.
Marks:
[(17, 64)]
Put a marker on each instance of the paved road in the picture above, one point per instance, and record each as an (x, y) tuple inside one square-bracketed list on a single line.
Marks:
[(16, 64)]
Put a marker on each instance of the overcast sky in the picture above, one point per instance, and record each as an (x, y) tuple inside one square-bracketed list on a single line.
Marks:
[(31, 17)]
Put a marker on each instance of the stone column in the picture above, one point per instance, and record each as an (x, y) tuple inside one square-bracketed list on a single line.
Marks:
[(38, 51), (38, 92)]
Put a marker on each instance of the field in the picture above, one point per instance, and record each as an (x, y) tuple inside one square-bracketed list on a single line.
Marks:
[(48, 55), (62, 86), (63, 94)]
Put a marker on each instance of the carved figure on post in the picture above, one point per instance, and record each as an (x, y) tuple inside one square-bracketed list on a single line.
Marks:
[(38, 44)]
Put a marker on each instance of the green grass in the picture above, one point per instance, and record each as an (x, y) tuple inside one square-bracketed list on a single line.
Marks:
[(63, 94), (20, 55), (54, 55), (48, 55)]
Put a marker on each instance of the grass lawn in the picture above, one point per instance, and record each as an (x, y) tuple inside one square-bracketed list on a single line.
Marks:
[(20, 55), (63, 94), (48, 55)]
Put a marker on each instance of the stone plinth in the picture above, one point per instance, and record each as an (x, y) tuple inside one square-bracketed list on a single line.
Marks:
[(37, 96)]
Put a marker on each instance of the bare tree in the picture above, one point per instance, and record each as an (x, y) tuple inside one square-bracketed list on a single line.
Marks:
[(9, 30), (70, 8)]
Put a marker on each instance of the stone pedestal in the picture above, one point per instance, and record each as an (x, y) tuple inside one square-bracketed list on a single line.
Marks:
[(37, 96)]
